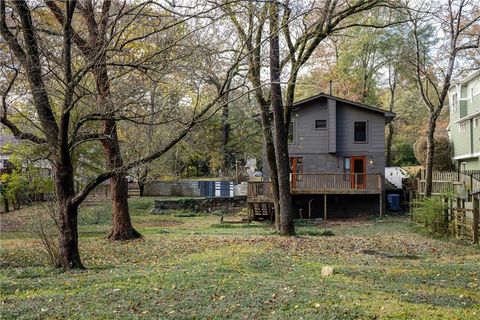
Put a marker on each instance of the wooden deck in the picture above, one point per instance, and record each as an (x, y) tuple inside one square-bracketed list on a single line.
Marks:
[(321, 184)]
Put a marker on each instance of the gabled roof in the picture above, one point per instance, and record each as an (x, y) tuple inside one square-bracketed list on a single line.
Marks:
[(466, 79), (388, 115)]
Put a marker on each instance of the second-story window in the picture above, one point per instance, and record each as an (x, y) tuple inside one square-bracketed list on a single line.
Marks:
[(462, 127), (321, 124), (454, 102), (360, 133)]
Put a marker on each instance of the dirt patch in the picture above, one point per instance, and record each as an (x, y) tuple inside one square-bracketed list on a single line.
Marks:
[(391, 255)]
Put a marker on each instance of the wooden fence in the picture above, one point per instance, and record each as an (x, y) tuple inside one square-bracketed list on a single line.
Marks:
[(461, 218), (462, 183)]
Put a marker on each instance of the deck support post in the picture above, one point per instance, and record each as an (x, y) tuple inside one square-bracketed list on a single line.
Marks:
[(381, 204), (325, 207)]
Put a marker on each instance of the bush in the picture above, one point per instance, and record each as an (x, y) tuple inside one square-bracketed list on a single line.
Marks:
[(430, 213)]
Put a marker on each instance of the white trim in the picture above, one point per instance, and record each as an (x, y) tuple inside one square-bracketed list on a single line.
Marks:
[(473, 115), (467, 156)]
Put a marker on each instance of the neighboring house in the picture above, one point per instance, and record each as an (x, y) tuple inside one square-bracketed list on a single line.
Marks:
[(464, 127), (337, 156)]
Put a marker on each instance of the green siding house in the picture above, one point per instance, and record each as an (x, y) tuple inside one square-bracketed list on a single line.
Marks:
[(464, 128)]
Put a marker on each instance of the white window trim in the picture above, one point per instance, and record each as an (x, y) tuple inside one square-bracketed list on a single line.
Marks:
[(476, 122), (454, 102), (464, 126)]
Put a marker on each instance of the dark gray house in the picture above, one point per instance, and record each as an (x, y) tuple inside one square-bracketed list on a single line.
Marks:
[(337, 157)]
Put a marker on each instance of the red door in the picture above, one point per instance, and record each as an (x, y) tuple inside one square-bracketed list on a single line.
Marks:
[(296, 167), (358, 173)]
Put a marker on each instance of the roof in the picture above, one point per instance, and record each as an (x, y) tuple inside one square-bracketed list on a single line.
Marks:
[(388, 115), (468, 78)]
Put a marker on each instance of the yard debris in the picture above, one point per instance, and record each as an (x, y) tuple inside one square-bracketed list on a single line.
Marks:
[(327, 271)]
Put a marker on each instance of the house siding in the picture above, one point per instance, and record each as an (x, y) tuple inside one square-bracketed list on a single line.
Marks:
[(466, 145), (316, 146)]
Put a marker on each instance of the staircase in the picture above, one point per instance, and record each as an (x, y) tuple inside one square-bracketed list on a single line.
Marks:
[(262, 211)]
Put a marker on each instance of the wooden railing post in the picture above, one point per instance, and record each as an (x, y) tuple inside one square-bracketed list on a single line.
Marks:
[(476, 213), (458, 208)]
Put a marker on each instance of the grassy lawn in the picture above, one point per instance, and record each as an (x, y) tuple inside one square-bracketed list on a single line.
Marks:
[(192, 267)]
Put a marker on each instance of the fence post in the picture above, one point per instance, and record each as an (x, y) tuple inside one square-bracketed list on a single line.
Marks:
[(410, 200), (457, 210), (445, 214), (464, 219), (476, 213)]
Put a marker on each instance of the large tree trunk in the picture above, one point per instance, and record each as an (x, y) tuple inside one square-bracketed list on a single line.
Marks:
[(122, 228), (225, 130), (69, 255), (432, 123), (141, 188), (280, 134), (389, 144)]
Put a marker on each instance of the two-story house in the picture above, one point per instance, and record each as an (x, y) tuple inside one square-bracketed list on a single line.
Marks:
[(337, 157), (464, 127)]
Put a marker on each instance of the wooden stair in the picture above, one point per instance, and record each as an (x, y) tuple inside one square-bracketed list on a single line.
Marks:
[(261, 211)]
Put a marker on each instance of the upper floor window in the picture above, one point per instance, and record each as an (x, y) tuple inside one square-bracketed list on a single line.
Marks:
[(360, 133), (476, 122), (454, 102), (462, 127), (321, 124)]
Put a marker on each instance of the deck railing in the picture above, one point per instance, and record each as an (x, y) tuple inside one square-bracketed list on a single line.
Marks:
[(259, 189), (323, 182)]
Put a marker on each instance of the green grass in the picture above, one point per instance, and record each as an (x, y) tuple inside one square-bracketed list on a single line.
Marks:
[(193, 267)]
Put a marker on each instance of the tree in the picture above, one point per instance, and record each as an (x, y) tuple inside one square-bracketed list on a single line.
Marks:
[(442, 159), (435, 60), (302, 27), (57, 96)]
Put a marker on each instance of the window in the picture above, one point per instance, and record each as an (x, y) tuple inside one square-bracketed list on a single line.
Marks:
[(463, 167), (462, 127), (454, 102), (290, 132), (471, 93), (476, 122), (360, 131), (346, 169), (320, 124)]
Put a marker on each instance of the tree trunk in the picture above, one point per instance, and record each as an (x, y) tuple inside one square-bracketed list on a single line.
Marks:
[(5, 204), (141, 188), (280, 134), (69, 255), (389, 144), (432, 123), (225, 129), (122, 228)]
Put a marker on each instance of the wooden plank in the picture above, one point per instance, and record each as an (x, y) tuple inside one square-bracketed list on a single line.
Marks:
[(325, 207), (476, 218)]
